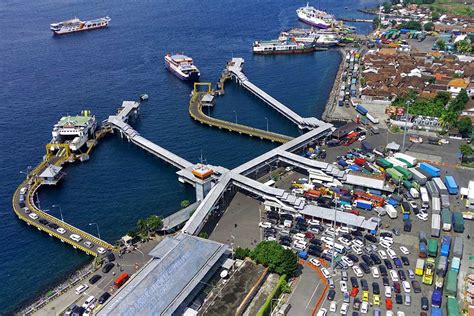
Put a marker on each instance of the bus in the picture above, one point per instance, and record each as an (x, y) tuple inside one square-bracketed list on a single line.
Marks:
[(121, 280)]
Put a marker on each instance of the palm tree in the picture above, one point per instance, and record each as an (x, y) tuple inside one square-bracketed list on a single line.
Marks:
[(448, 119)]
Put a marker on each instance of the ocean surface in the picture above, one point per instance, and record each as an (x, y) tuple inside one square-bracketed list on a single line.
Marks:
[(44, 77)]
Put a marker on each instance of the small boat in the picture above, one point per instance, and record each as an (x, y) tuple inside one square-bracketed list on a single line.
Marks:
[(144, 97)]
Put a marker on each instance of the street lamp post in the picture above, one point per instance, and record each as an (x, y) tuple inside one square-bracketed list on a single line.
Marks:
[(98, 231), (60, 210), (27, 172), (235, 116), (266, 119), (336, 200), (406, 125)]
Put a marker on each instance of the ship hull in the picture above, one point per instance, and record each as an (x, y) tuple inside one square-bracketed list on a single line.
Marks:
[(281, 52), (318, 25), (193, 76), (57, 33)]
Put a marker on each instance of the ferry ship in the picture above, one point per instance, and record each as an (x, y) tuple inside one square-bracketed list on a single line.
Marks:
[(182, 67), (299, 35), (74, 130), (76, 25), (327, 40), (314, 17), (281, 47)]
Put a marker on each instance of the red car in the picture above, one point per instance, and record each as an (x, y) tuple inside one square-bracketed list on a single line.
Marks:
[(309, 235), (389, 303), (355, 211), (396, 285), (354, 292)]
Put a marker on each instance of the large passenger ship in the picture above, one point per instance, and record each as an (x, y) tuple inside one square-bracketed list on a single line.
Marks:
[(182, 67), (76, 25), (314, 17), (74, 130), (282, 47)]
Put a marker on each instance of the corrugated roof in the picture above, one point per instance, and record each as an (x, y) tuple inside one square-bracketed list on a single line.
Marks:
[(341, 217)]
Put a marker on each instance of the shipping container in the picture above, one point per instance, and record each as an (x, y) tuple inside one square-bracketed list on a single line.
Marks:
[(445, 200), (458, 247), (451, 283), (412, 160), (432, 248), (359, 108), (432, 170), (420, 265), (458, 222), (435, 225), (385, 164), (418, 176), (452, 307), (436, 298), (446, 217), (451, 185), (432, 189), (442, 266), (455, 264), (396, 176), (436, 205), (405, 173), (440, 185)]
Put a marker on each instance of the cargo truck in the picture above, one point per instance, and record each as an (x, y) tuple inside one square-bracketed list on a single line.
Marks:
[(381, 162), (407, 184), (451, 185), (405, 173), (445, 200), (439, 282), (435, 225), (418, 176), (429, 271), (458, 247), (432, 189), (425, 200), (455, 264), (446, 217), (420, 265), (362, 204), (432, 247), (422, 250), (436, 298), (458, 222), (451, 284), (396, 162), (422, 237), (359, 108), (432, 170), (414, 193), (372, 119), (445, 245), (436, 205), (452, 307), (435, 311), (426, 174), (396, 176), (412, 160), (391, 211), (442, 266), (406, 163), (440, 185)]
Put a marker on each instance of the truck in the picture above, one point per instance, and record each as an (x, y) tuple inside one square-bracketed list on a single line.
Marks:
[(458, 247), (414, 193), (428, 272), (458, 222), (396, 176), (396, 162), (412, 160), (435, 225), (452, 307), (422, 250), (391, 211), (442, 266), (445, 200), (446, 218), (425, 200), (359, 108), (436, 298), (342, 163), (420, 265), (436, 205), (372, 119), (432, 248), (366, 146), (418, 176), (440, 185), (362, 204), (451, 185), (445, 245), (422, 237), (436, 311), (432, 189), (407, 184), (404, 172), (383, 163), (451, 283), (455, 264), (432, 170)]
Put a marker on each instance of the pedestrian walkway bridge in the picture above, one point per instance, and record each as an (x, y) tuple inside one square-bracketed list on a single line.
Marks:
[(234, 67)]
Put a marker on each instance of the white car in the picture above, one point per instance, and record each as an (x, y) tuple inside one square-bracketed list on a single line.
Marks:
[(75, 237), (357, 242), (344, 308), (326, 273), (88, 244), (363, 137), (356, 249), (89, 301), (347, 261), (299, 236), (327, 240), (404, 250), (322, 312), (343, 286), (81, 288), (391, 253), (364, 308), (388, 313), (61, 230), (346, 242), (333, 307), (271, 238), (394, 275), (400, 313), (357, 271), (444, 141), (422, 216), (382, 254), (343, 229), (298, 246), (265, 224), (375, 272), (315, 262), (313, 222), (385, 244), (101, 250), (287, 223), (386, 240), (388, 291), (406, 286), (330, 231), (33, 216)]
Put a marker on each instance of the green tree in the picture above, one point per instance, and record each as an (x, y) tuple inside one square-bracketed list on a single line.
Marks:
[(428, 27), (466, 150), (387, 7), (288, 263), (204, 235), (275, 257), (448, 119), (376, 22), (142, 226), (441, 44), (411, 25), (435, 16), (463, 46), (153, 223), (393, 23), (465, 126), (185, 203), (242, 253)]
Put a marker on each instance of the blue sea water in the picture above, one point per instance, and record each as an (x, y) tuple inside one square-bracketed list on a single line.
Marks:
[(44, 77)]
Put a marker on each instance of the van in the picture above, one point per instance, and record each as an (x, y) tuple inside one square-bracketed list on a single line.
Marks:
[(89, 301), (81, 288), (75, 237)]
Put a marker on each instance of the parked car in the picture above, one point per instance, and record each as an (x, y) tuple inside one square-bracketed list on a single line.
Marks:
[(95, 278), (399, 299), (331, 294), (357, 271), (81, 288), (388, 264), (383, 270), (108, 267), (424, 303), (364, 267), (416, 286), (104, 297)]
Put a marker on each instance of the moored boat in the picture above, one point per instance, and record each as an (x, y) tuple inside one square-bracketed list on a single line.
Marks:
[(314, 17), (281, 47)]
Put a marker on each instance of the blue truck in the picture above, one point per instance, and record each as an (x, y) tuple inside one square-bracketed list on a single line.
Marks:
[(436, 298), (451, 185), (359, 108), (430, 169), (342, 163), (445, 246), (436, 311), (363, 204)]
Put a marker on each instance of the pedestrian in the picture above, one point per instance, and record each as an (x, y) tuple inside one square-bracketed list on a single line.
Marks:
[(113, 273)]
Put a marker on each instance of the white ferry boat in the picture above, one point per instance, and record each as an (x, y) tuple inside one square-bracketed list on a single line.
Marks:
[(299, 36), (182, 67), (74, 130), (76, 25), (281, 47), (327, 40), (314, 17)]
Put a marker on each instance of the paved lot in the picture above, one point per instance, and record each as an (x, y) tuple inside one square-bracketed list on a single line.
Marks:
[(239, 224), (307, 292)]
